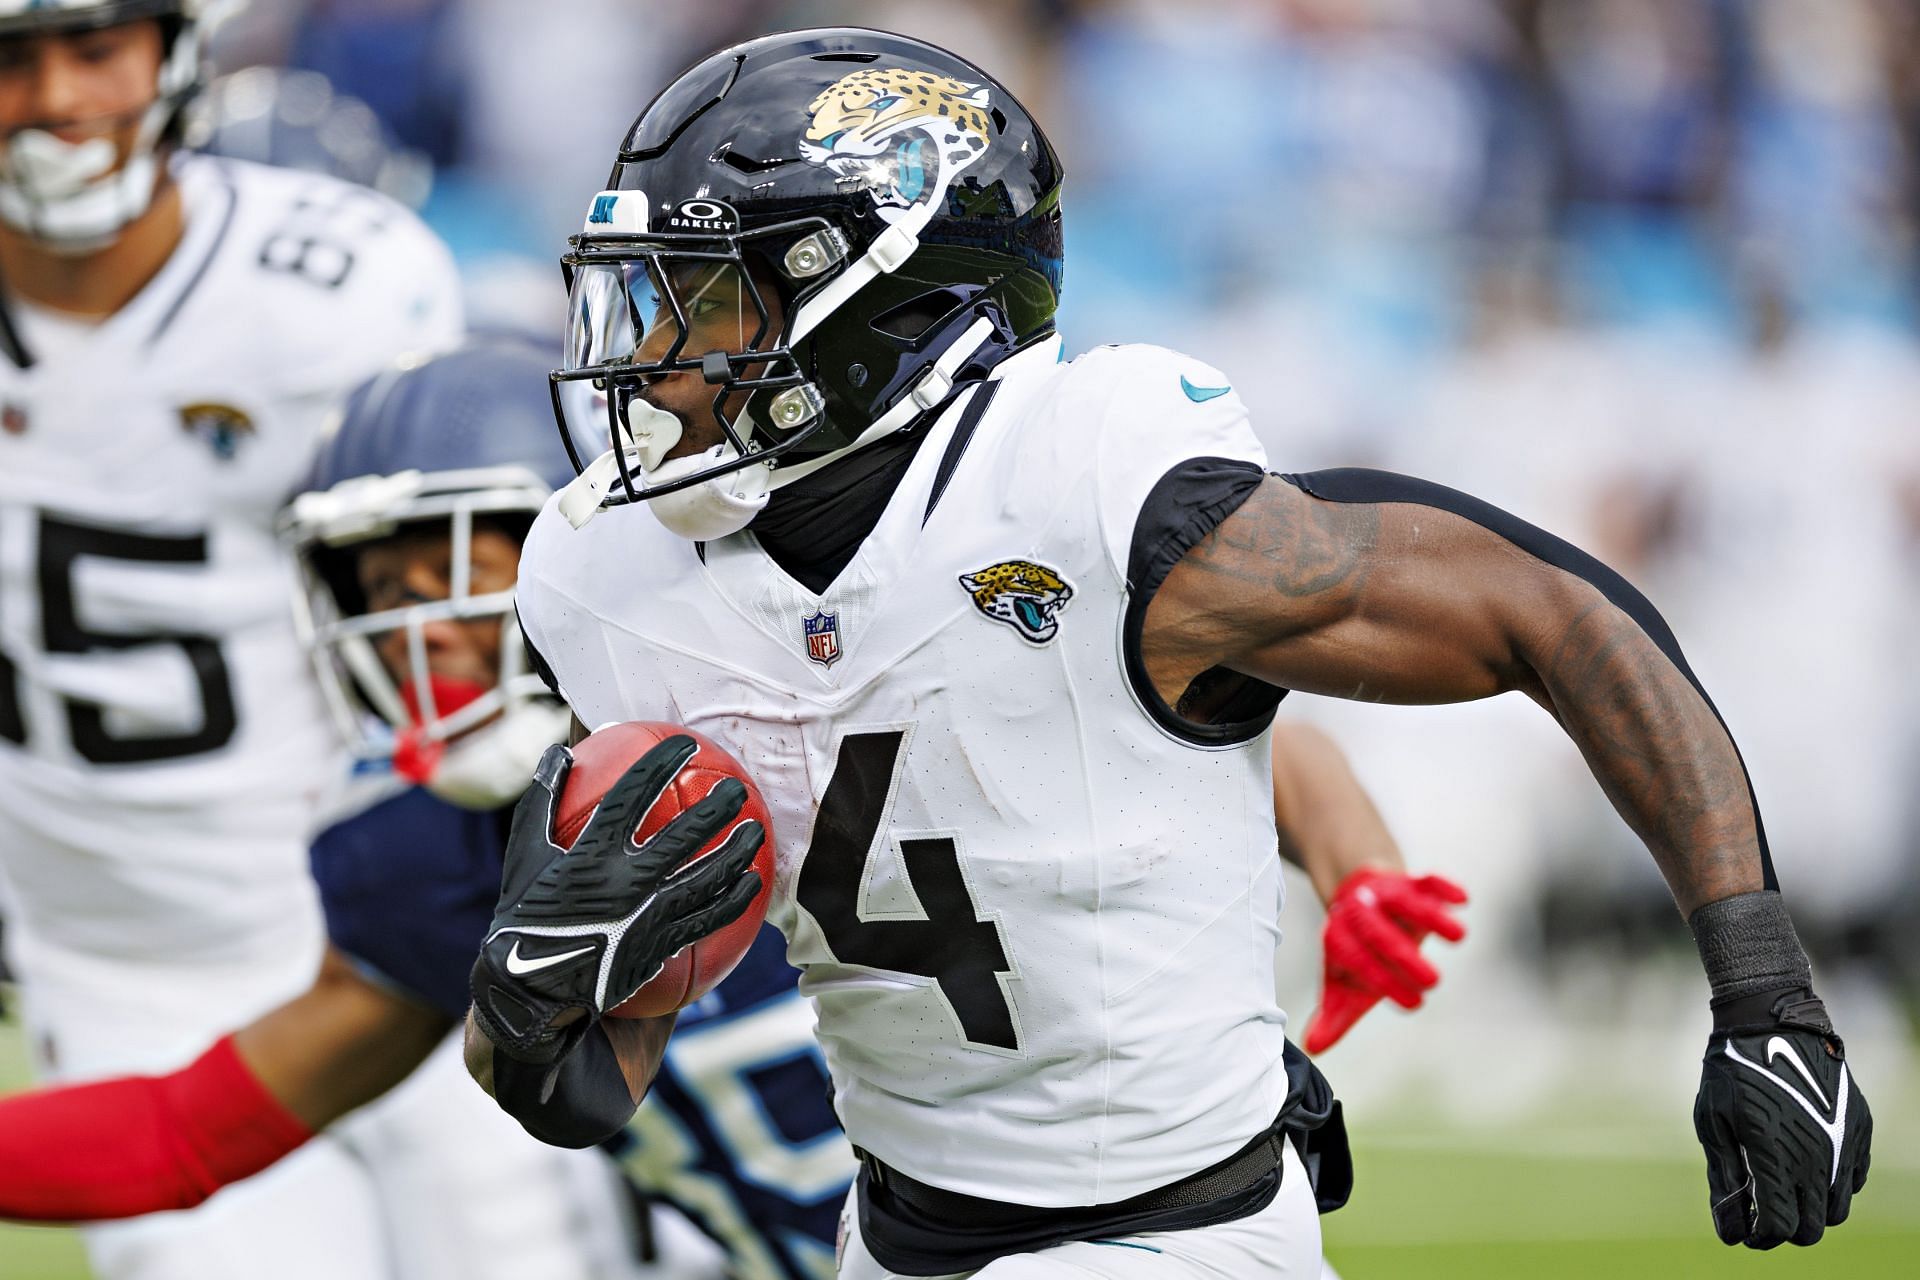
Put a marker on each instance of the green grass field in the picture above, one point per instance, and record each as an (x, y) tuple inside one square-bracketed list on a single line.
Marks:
[(1458, 1211), (1627, 1200)]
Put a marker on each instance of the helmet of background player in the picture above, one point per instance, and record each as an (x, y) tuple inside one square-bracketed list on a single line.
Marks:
[(901, 204), (297, 120), (77, 196), (462, 442)]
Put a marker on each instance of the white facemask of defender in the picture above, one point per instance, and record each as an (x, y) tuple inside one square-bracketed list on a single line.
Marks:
[(76, 197), (472, 745)]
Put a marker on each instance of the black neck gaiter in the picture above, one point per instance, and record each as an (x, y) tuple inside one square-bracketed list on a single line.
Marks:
[(812, 527)]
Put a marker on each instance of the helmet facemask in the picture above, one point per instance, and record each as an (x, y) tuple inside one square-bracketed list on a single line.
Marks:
[(642, 308), (471, 743)]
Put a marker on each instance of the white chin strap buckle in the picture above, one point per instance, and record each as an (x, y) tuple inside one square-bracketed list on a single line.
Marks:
[(714, 508), (700, 513)]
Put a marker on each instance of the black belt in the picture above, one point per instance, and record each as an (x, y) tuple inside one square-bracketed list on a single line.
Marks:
[(917, 1229), (1228, 1177)]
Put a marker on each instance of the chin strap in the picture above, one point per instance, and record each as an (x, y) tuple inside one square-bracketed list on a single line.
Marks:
[(928, 392), (727, 504)]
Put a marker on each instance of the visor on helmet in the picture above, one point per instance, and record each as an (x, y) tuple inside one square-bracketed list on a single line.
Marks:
[(643, 307)]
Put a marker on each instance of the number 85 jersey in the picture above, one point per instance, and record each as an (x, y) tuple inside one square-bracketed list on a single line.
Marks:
[(1036, 909), (156, 707)]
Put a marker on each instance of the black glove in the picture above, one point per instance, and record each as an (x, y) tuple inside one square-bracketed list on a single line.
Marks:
[(582, 929), (1784, 1124)]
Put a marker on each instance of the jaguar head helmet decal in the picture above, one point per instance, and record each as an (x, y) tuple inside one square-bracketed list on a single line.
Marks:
[(1025, 595), (905, 134)]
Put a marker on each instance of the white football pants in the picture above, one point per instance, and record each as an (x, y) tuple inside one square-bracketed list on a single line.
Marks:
[(1282, 1242)]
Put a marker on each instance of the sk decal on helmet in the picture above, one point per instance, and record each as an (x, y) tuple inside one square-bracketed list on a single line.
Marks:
[(222, 426), (1025, 595), (822, 631), (904, 134)]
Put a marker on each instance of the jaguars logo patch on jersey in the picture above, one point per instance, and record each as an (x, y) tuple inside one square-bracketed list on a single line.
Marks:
[(905, 134), (222, 426), (1025, 595)]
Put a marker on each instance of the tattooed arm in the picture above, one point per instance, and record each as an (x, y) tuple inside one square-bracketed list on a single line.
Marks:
[(1368, 585), (1398, 601)]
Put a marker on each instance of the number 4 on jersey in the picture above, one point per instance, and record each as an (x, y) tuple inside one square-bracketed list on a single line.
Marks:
[(952, 945)]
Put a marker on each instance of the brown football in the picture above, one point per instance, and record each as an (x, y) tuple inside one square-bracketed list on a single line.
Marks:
[(599, 761)]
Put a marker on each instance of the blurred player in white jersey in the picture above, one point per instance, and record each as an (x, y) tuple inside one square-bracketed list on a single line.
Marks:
[(174, 331), (1000, 637)]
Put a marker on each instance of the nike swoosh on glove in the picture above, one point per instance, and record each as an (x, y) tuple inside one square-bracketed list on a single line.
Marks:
[(578, 930), (1785, 1126), (1376, 920)]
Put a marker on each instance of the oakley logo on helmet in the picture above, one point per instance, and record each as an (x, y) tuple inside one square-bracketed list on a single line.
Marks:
[(703, 215), (1025, 595), (904, 134)]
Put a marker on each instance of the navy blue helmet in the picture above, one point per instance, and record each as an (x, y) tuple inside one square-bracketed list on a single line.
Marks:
[(459, 443), (484, 404)]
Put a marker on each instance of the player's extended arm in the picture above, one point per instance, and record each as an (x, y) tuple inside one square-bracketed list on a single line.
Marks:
[(142, 1144), (1377, 914), (1378, 587)]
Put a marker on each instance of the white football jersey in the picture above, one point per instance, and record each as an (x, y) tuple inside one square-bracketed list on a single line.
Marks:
[(1038, 927), (157, 712)]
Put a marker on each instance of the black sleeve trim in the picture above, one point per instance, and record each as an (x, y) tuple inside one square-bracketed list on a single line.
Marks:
[(1359, 484), (579, 1102), (1184, 506)]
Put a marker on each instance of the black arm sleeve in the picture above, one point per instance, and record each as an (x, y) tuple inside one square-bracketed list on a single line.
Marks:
[(1220, 707), (1357, 484), (581, 1101)]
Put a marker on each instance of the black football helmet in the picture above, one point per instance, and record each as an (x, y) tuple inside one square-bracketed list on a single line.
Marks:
[(903, 206)]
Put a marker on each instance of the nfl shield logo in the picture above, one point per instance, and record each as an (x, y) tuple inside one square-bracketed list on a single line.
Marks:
[(823, 637)]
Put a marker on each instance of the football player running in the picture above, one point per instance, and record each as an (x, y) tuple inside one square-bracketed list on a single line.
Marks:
[(173, 333), (458, 452), (1000, 638)]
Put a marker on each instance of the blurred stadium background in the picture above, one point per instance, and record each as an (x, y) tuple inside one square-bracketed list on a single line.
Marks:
[(1642, 271)]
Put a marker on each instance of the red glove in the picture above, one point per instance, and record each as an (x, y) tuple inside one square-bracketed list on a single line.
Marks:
[(1375, 923)]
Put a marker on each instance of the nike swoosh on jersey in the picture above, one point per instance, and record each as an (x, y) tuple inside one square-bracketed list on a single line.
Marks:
[(520, 966), (1835, 1129), (1200, 395)]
